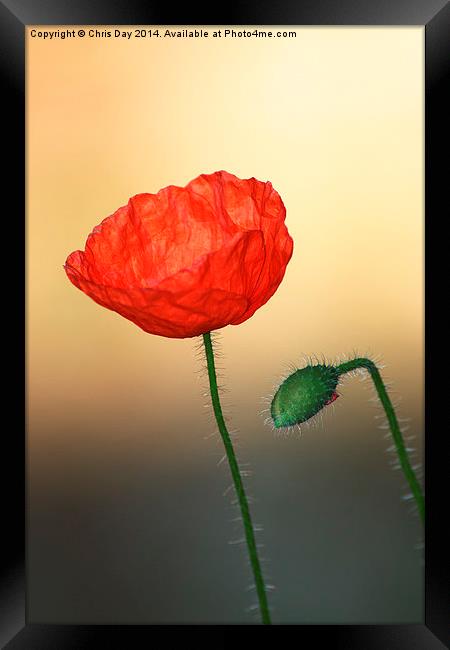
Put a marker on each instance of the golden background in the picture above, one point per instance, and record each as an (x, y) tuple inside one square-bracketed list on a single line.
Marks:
[(334, 119)]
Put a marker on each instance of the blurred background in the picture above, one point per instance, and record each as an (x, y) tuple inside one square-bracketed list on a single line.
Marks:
[(127, 517)]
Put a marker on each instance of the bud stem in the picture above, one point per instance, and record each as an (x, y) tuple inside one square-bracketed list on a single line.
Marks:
[(408, 471), (237, 480)]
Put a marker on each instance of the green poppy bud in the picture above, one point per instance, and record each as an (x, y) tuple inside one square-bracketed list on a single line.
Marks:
[(303, 394)]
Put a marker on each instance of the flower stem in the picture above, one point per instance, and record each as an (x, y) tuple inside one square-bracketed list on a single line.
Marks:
[(237, 480), (408, 471)]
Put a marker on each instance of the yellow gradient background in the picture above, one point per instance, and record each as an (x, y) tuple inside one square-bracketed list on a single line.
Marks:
[(334, 119)]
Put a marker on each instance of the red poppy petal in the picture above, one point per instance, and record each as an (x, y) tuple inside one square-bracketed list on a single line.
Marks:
[(188, 260), (208, 295)]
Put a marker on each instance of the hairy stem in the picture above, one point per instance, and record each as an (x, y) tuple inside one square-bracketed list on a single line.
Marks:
[(237, 480), (408, 471)]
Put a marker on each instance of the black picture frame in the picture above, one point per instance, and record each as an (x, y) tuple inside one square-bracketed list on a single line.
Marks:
[(15, 15)]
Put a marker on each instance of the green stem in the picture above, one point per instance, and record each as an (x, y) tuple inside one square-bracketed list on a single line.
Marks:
[(408, 471), (237, 480)]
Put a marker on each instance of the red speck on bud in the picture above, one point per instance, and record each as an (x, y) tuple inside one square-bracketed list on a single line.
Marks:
[(332, 398)]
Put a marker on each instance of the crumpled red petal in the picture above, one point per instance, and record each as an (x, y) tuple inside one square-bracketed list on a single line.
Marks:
[(189, 260)]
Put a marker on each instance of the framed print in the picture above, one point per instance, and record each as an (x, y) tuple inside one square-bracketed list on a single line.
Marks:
[(222, 245)]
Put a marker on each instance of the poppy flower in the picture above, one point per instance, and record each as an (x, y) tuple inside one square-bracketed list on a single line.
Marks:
[(188, 260)]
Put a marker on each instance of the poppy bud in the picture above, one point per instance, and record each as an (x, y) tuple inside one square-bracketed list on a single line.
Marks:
[(303, 394)]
